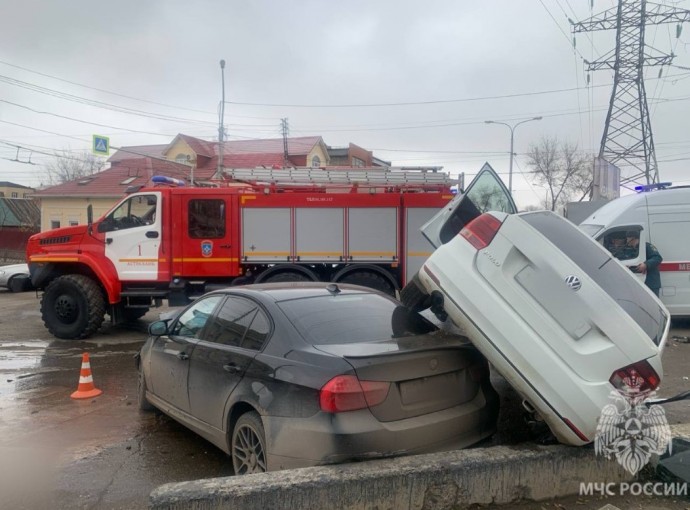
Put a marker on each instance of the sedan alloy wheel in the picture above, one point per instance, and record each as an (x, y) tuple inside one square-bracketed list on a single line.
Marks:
[(248, 445)]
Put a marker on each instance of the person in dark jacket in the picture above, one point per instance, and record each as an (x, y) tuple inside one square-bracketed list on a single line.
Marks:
[(650, 267)]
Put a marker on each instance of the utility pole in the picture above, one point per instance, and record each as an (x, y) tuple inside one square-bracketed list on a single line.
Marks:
[(285, 130), (627, 140), (221, 128)]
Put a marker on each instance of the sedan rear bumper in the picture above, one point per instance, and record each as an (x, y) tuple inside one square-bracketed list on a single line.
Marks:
[(356, 435)]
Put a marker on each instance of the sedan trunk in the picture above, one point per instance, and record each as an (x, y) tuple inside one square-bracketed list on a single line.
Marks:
[(427, 373)]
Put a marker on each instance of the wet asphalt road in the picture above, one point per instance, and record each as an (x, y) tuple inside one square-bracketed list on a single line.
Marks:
[(56, 452)]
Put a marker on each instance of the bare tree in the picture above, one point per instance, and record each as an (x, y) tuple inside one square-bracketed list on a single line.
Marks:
[(564, 171), (68, 166)]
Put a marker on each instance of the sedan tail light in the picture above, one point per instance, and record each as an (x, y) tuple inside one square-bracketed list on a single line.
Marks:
[(639, 377), (481, 230), (347, 393)]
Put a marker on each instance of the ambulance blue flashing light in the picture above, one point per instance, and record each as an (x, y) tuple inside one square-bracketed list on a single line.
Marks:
[(652, 187)]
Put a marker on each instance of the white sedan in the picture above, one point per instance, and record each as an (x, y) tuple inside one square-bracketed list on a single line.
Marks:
[(15, 277), (560, 318)]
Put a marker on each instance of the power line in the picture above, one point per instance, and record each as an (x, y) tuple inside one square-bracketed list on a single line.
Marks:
[(117, 93)]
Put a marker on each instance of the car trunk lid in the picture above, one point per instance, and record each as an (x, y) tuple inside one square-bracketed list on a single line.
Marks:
[(579, 300), (427, 373)]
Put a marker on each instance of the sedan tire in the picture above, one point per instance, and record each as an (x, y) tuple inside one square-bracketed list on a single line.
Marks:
[(248, 448)]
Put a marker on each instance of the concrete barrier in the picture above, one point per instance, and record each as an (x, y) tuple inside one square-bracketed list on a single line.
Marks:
[(446, 480), (454, 479)]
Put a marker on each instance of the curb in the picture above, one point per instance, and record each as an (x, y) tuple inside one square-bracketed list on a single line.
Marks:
[(446, 480), (453, 479)]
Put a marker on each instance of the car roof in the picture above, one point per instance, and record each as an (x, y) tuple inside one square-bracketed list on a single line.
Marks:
[(297, 290)]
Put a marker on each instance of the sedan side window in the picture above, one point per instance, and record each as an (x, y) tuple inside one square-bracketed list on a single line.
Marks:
[(239, 323), (193, 320)]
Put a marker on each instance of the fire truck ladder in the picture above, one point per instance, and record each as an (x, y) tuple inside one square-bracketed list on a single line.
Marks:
[(352, 177)]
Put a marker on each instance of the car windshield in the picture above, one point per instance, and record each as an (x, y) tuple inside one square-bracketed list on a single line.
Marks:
[(349, 318), (600, 266)]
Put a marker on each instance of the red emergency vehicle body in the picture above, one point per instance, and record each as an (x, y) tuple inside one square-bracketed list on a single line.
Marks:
[(177, 242)]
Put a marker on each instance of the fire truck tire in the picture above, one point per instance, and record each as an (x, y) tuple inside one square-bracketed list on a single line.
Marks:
[(414, 297), (73, 307), (369, 279), (287, 276)]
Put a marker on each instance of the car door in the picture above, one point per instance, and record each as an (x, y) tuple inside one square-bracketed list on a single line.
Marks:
[(485, 193), (170, 354), (220, 359)]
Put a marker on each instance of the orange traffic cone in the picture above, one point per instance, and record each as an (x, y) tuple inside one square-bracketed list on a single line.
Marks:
[(86, 389)]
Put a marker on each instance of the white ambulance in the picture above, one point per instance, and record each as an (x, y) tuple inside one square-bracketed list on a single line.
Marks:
[(661, 213)]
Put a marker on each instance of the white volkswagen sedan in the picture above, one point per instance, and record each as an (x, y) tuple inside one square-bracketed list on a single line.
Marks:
[(559, 317)]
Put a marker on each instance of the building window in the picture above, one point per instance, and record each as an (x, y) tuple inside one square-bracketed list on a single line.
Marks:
[(15, 194), (54, 223), (356, 162), (25, 195), (2, 193), (73, 223), (315, 162), (183, 159)]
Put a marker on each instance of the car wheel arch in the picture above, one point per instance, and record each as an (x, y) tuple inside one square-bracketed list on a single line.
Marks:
[(236, 410)]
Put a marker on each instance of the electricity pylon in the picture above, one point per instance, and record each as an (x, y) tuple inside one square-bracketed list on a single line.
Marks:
[(627, 140)]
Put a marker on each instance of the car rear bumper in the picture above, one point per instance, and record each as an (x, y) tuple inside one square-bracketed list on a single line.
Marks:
[(356, 435)]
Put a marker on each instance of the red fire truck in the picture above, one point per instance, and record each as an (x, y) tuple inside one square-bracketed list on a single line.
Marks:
[(174, 242)]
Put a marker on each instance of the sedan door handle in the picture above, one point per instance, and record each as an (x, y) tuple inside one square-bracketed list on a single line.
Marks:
[(232, 368), (183, 356)]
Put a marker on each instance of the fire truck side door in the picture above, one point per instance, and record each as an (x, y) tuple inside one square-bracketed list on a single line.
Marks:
[(132, 233), (207, 248)]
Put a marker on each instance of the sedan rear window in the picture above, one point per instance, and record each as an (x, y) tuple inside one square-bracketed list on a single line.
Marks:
[(600, 266), (349, 318)]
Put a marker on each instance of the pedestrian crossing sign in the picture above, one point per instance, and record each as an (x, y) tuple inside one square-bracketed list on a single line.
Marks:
[(101, 145)]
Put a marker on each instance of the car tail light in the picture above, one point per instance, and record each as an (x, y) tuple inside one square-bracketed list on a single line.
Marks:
[(639, 377), (577, 431), (347, 393), (481, 230)]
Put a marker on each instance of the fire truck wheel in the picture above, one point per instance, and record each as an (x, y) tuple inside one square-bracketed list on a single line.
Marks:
[(414, 297), (73, 307), (371, 280), (287, 276)]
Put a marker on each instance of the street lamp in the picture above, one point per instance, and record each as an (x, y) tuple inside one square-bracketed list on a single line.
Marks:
[(512, 140)]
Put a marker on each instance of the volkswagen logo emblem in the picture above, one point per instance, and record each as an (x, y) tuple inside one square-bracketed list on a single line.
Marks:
[(573, 282)]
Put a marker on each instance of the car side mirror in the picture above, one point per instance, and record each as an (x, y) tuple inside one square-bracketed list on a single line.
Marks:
[(158, 328)]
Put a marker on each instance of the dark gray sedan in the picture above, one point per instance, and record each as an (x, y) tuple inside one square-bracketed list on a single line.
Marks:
[(290, 375)]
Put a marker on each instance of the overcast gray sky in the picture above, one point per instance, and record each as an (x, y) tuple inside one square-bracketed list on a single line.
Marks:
[(413, 81)]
